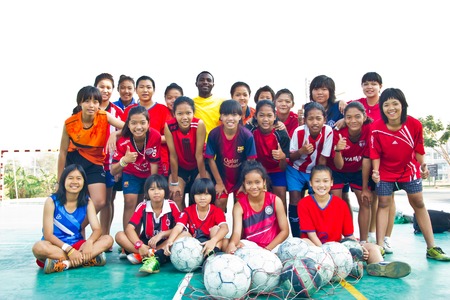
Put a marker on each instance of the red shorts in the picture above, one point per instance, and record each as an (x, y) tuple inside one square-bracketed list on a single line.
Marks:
[(236, 195), (77, 246)]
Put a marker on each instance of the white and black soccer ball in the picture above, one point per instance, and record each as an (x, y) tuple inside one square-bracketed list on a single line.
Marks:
[(227, 276), (355, 249), (186, 254), (325, 263), (265, 266), (342, 259), (291, 248)]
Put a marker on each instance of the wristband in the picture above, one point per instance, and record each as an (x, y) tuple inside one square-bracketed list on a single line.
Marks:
[(335, 150), (65, 246), (138, 245), (70, 252), (122, 163), (174, 183)]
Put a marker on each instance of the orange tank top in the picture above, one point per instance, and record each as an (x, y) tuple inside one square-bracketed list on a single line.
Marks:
[(89, 142)]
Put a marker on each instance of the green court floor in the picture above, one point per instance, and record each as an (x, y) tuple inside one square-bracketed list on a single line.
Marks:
[(20, 227)]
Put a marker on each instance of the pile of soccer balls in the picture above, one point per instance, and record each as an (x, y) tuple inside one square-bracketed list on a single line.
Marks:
[(296, 270)]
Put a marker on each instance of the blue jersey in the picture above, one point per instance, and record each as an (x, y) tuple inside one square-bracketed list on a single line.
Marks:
[(333, 114), (67, 226)]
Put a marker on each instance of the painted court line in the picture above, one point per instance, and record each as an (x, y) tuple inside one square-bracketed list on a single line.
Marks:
[(184, 284), (352, 290)]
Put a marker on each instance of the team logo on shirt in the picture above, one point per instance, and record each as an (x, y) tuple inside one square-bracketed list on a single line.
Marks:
[(151, 151), (268, 210), (362, 144), (240, 149), (58, 217)]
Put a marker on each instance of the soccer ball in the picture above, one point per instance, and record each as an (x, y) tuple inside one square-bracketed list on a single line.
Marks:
[(299, 278), (265, 266), (325, 264), (186, 254), (291, 248), (226, 275), (342, 258), (355, 249)]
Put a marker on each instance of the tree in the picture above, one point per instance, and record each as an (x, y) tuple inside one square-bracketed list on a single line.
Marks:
[(436, 136)]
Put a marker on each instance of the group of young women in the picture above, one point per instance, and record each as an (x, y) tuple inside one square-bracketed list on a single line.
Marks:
[(155, 153)]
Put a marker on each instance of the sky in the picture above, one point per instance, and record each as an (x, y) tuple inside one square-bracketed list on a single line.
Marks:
[(51, 49)]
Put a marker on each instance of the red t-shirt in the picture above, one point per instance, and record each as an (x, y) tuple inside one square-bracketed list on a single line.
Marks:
[(322, 146), (329, 223), (291, 123), (371, 111), (397, 150), (265, 143), (191, 221), (153, 225), (185, 143), (151, 154), (261, 226), (354, 152)]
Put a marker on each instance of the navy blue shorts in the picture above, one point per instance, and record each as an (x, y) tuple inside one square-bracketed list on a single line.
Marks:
[(385, 188), (132, 184)]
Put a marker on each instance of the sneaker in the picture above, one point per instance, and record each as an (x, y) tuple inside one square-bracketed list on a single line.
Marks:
[(53, 265), (150, 265), (122, 254), (371, 239), (388, 246), (393, 269), (383, 252), (134, 258), (99, 260), (437, 254)]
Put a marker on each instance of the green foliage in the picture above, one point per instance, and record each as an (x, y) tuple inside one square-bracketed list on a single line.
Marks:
[(436, 136), (29, 186), (33, 181), (434, 133)]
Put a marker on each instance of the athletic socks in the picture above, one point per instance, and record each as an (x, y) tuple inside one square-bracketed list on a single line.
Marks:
[(293, 220)]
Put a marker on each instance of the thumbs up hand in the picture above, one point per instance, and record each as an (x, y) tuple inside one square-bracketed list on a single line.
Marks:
[(341, 144), (130, 157), (307, 148), (278, 153)]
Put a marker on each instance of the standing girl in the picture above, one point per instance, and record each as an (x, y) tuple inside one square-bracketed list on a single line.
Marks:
[(272, 147), (157, 215), (185, 137), (258, 217), (83, 141), (202, 219), (350, 162), (228, 146), (105, 83), (240, 91), (371, 84), (63, 246), (310, 145), (397, 154), (136, 157), (158, 115)]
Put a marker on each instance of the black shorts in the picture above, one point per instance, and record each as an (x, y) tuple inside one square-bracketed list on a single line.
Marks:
[(94, 173)]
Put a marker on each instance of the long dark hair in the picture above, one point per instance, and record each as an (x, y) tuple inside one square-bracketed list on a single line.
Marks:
[(61, 192)]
